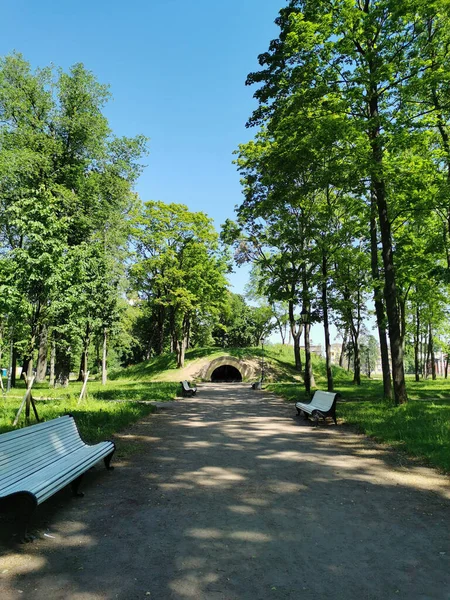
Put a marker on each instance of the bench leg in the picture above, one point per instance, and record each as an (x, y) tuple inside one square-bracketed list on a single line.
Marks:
[(107, 461), (315, 417), (75, 485), (298, 411), (23, 505)]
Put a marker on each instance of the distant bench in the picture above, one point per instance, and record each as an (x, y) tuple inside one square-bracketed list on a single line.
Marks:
[(186, 390), (322, 405), (38, 461)]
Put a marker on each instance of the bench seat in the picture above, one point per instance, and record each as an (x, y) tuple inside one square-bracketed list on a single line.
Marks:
[(38, 461), (186, 390), (323, 404)]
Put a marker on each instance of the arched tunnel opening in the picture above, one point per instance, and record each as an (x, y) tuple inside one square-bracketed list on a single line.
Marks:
[(226, 374)]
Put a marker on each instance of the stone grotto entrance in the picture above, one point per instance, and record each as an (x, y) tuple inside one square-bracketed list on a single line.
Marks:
[(226, 373)]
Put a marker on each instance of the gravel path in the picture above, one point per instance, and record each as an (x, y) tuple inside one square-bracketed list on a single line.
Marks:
[(230, 496)]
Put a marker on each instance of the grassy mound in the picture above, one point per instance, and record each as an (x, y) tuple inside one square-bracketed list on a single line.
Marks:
[(278, 363)]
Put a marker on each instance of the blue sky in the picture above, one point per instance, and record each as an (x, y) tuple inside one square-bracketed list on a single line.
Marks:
[(177, 71)]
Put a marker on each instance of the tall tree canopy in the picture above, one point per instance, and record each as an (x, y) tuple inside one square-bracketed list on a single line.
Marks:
[(65, 192), (352, 106), (179, 271)]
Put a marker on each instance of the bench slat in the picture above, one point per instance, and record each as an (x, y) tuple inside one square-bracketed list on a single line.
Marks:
[(33, 429), (11, 450), (57, 445), (20, 469), (59, 474)]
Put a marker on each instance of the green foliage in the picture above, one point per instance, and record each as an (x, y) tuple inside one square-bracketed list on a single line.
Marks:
[(369, 354), (242, 325), (65, 196), (354, 139), (179, 271)]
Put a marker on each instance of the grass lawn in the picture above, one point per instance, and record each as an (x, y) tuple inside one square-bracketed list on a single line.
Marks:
[(421, 427), (106, 410)]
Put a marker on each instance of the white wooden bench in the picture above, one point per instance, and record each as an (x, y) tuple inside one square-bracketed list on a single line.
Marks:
[(186, 390), (38, 461), (323, 404)]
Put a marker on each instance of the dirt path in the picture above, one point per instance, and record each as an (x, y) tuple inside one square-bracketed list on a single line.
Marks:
[(233, 497)]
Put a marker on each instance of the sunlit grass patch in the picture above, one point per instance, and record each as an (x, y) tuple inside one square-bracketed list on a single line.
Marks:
[(106, 410), (420, 428)]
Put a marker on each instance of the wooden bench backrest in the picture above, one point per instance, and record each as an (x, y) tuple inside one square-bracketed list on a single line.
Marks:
[(26, 451), (323, 400)]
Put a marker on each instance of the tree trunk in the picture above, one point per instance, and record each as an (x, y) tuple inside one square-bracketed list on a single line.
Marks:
[(354, 332), (416, 346), (297, 353), (343, 349), (85, 353), (181, 347), (402, 313), (356, 362), (41, 367), (62, 363), (378, 187), (13, 364), (308, 370), (447, 359), (161, 318), (378, 301), (306, 310), (98, 360), (432, 358), (282, 330), (188, 336), (326, 325), (83, 365), (52, 363), (296, 332), (443, 131), (181, 343), (423, 357), (27, 365), (427, 360), (390, 291), (104, 355)]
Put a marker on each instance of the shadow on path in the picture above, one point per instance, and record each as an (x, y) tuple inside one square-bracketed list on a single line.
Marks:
[(231, 496)]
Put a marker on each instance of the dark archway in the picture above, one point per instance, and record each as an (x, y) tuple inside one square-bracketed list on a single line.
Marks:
[(226, 373)]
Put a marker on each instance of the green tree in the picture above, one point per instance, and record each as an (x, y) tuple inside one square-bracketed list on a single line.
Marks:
[(369, 353), (179, 270), (65, 181), (362, 54)]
